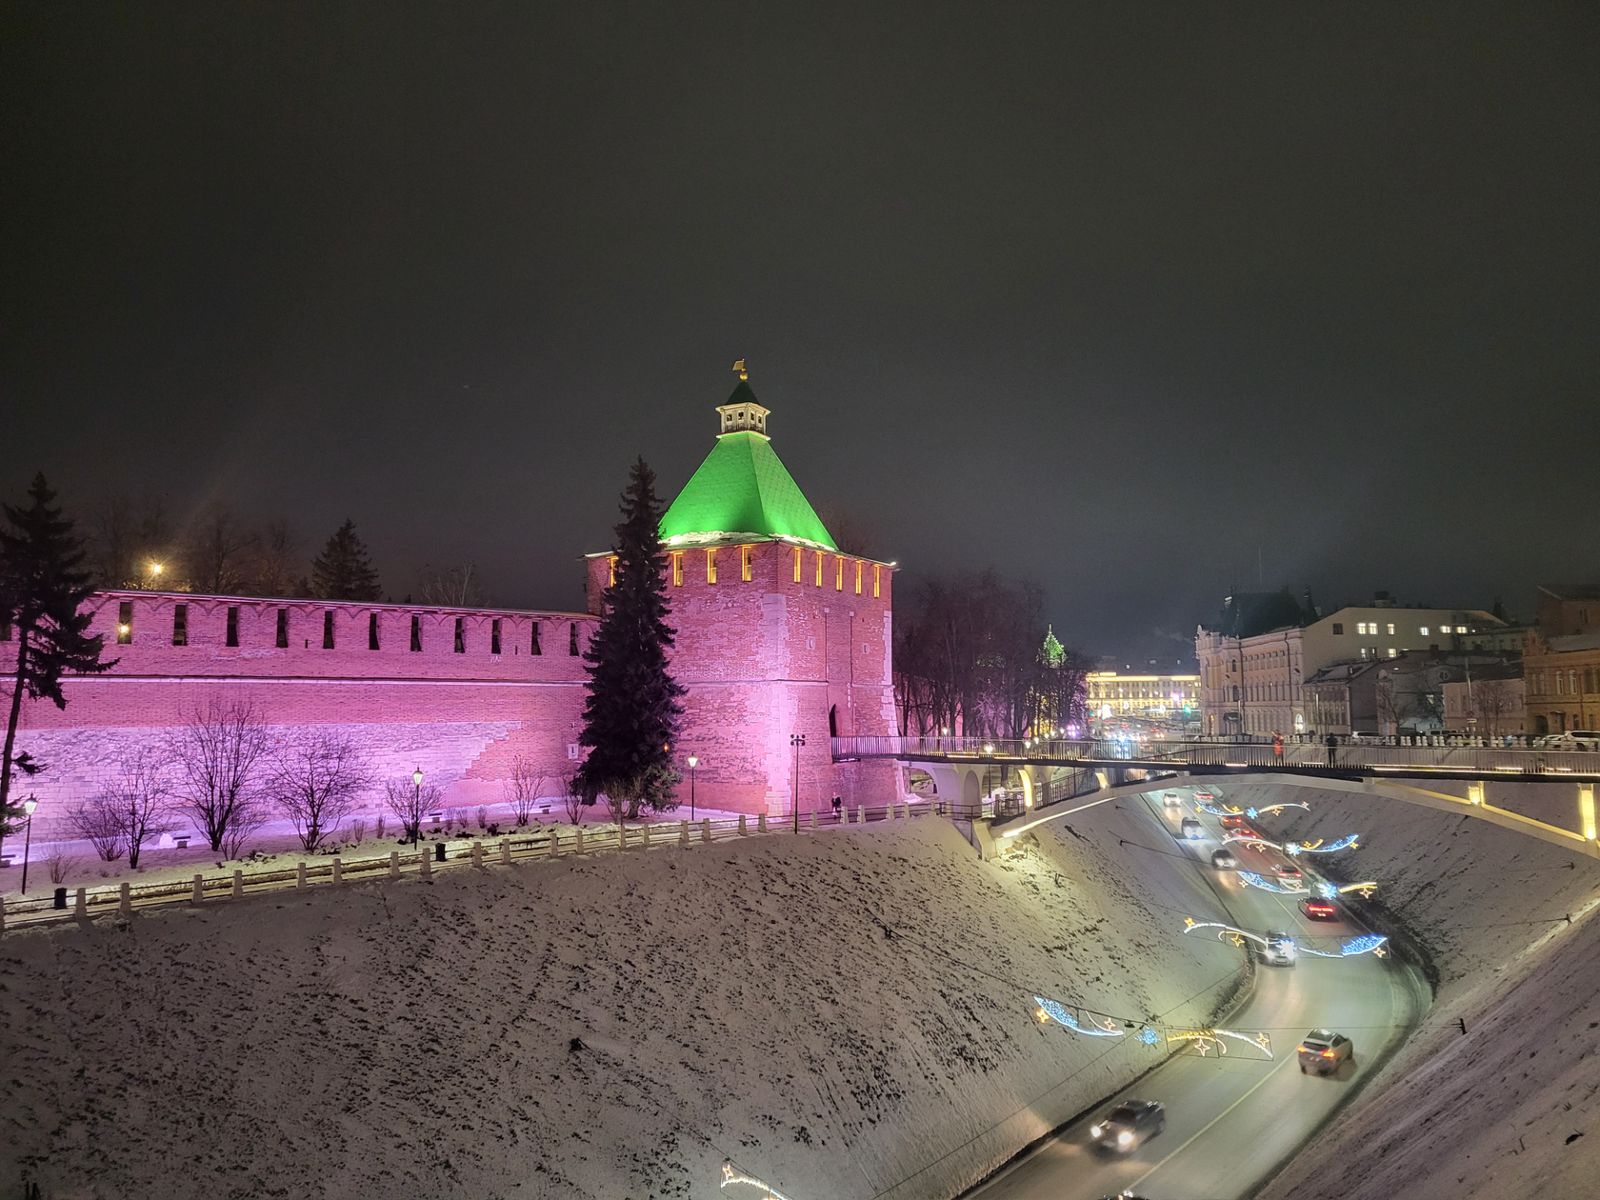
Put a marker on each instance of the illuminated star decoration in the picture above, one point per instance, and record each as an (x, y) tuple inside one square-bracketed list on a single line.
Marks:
[(1209, 1041), (1225, 933), (1089, 1026), (1148, 1036), (1250, 839), (1347, 842), (1272, 808), (1364, 943), (1251, 879), (1215, 811), (732, 1174)]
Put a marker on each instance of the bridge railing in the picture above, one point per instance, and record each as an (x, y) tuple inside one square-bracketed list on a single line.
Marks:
[(1346, 755)]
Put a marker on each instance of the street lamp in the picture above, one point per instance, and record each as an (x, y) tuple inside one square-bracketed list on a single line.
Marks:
[(797, 740), (694, 762), (416, 808), (28, 806)]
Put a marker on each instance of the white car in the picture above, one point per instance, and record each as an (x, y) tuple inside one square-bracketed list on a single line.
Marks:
[(1572, 739), (1171, 799)]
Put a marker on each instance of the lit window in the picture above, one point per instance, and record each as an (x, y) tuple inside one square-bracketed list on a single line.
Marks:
[(1442, 628), (819, 568), (677, 579), (711, 566), (877, 580), (744, 563), (1393, 653), (798, 554), (125, 623), (1391, 628), (859, 565), (838, 573), (611, 571), (180, 624)]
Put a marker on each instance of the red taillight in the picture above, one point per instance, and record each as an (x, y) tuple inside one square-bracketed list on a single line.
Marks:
[(1327, 1054)]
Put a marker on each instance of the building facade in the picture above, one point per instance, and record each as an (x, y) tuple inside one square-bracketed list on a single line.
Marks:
[(778, 633), (1157, 699), (1561, 661), (1253, 679)]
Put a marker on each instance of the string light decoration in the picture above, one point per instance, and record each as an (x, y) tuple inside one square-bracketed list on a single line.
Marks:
[(1210, 1041), (1363, 943), (1225, 933), (1366, 888), (1347, 842), (732, 1174), (1251, 879), (1147, 1036), (1275, 808), (1223, 811), (1250, 839), (1090, 1025)]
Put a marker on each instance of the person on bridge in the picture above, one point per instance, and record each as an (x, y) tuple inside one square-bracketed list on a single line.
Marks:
[(1277, 746), (1332, 743)]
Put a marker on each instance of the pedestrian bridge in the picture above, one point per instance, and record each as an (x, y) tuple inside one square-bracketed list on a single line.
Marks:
[(960, 766)]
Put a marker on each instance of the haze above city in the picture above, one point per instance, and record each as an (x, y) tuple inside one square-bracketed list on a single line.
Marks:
[(1144, 311)]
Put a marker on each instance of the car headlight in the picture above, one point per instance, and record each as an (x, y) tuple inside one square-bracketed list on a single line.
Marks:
[(1125, 1138), (1098, 1130)]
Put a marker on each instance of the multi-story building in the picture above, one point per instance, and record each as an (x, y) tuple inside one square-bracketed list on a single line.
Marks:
[(1490, 703), (1561, 662), (1255, 662), (1158, 699)]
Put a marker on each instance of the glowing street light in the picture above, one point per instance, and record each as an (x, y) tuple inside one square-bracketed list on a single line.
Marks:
[(797, 740), (694, 762), (416, 828), (28, 806)]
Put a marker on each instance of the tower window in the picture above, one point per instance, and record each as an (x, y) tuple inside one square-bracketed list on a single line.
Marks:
[(798, 554), (572, 638), (859, 565), (461, 635), (611, 571), (372, 631), (533, 645), (232, 636), (180, 624), (125, 623), (327, 629), (838, 573), (677, 571), (744, 563), (416, 634), (282, 640), (877, 580), (819, 568), (711, 566)]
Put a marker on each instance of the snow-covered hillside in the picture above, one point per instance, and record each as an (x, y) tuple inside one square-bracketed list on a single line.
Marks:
[(1511, 1107), (845, 1014)]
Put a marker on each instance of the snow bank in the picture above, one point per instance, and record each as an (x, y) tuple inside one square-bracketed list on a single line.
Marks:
[(1491, 1113), (844, 1014)]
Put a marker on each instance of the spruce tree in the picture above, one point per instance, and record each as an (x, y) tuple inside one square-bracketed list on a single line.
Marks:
[(342, 571), (630, 716), (42, 594)]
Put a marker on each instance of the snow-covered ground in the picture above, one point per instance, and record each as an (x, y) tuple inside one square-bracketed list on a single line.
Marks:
[(1511, 1107), (847, 1015)]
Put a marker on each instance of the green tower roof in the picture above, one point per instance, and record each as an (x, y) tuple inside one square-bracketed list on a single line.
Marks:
[(742, 491)]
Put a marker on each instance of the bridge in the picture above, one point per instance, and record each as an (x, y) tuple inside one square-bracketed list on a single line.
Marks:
[(959, 767)]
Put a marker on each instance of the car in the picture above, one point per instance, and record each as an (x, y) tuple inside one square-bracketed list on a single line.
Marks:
[(1324, 1052), (1235, 822), (1224, 858), (1171, 799), (1204, 794), (1279, 949), (1289, 873), (1191, 828), (1128, 1125), (1319, 909), (1572, 739)]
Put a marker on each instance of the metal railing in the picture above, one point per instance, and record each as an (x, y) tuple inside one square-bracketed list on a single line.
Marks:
[(1345, 757), (123, 897)]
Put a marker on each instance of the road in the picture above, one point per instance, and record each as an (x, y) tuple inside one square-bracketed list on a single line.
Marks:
[(1232, 1120)]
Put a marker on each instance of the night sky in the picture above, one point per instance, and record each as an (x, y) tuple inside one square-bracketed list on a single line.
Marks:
[(1144, 304)]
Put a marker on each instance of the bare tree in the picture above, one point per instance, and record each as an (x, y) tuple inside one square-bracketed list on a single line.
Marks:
[(409, 804), (216, 758), (279, 561), (315, 780), (95, 820), (1492, 703), (523, 787), (138, 797), (454, 587), (61, 864), (573, 800), (126, 536), (216, 551)]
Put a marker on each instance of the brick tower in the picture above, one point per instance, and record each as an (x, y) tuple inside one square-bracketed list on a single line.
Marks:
[(779, 632)]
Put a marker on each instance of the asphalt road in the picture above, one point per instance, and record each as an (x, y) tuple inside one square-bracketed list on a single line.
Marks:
[(1232, 1119)]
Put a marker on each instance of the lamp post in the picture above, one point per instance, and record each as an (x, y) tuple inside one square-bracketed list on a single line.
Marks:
[(416, 808), (28, 806), (693, 763), (796, 740)]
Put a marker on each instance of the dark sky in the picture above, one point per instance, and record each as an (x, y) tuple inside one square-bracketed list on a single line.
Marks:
[(1128, 301)]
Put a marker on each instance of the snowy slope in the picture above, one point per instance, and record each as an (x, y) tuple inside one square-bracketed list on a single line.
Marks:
[(845, 1014), (1491, 1113)]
